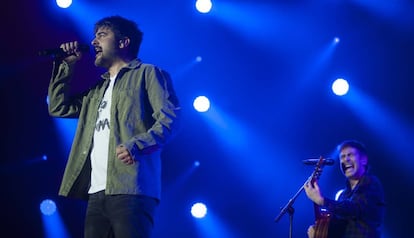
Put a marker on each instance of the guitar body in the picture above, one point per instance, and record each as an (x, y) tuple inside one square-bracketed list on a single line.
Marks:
[(322, 226)]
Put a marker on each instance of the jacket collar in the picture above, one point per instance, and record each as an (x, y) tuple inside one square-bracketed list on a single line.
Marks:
[(134, 64)]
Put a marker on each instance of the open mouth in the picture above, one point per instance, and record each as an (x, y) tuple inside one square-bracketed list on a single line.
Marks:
[(98, 51), (346, 167)]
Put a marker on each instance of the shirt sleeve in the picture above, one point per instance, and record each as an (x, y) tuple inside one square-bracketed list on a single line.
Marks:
[(166, 109), (60, 101), (366, 201)]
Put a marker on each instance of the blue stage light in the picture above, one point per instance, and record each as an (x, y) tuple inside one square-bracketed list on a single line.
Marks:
[(203, 6), (201, 104), (47, 207), (199, 210), (64, 3), (340, 87)]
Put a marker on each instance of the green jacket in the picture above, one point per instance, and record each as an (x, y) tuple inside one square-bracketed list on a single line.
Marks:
[(144, 115)]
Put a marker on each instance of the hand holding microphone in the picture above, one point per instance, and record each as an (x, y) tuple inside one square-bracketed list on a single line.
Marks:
[(69, 51)]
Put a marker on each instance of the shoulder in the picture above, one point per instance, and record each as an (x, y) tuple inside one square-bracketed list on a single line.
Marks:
[(148, 71), (371, 179), (148, 67), (373, 184), (139, 64)]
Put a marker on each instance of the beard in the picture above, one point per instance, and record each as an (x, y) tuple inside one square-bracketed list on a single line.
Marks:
[(106, 58), (102, 61)]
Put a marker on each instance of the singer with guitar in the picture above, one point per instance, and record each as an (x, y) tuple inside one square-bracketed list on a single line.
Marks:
[(359, 210)]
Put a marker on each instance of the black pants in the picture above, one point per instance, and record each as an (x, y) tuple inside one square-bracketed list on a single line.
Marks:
[(119, 216)]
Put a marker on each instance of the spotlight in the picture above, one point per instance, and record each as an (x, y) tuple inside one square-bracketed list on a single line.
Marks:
[(198, 59), (201, 104), (340, 87), (203, 6), (199, 210), (64, 3), (48, 207)]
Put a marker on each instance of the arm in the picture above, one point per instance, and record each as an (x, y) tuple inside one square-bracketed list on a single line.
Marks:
[(365, 201), (314, 193), (61, 102), (165, 113)]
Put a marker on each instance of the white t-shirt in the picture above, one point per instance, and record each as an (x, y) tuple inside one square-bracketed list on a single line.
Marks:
[(99, 153)]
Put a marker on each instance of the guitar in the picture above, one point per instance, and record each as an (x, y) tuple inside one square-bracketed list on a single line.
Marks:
[(322, 218)]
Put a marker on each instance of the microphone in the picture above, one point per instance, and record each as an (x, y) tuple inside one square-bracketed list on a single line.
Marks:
[(59, 53), (314, 161)]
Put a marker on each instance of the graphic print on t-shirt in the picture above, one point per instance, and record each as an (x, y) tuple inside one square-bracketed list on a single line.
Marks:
[(102, 122)]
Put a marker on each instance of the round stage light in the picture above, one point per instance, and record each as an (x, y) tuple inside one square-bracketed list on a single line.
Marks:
[(48, 207)]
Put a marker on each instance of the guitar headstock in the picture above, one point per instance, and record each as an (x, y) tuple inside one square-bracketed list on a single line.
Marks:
[(318, 169)]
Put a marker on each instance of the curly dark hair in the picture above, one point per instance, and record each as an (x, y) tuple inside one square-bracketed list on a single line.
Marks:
[(122, 28)]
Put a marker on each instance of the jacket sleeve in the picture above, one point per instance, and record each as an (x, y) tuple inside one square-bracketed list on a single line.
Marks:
[(60, 101), (366, 201), (165, 108)]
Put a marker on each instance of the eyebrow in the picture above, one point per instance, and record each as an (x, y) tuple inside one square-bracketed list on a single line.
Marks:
[(100, 32)]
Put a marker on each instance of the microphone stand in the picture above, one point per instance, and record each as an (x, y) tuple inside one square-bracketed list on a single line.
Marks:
[(289, 208)]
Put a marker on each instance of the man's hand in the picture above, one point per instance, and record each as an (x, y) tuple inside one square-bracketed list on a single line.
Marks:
[(313, 192), (311, 232), (72, 49), (123, 154)]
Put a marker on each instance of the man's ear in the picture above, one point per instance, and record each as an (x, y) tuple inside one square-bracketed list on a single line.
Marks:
[(123, 43), (364, 160)]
